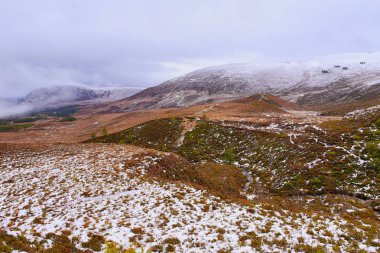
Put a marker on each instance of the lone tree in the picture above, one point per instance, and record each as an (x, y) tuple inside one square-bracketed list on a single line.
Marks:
[(104, 131)]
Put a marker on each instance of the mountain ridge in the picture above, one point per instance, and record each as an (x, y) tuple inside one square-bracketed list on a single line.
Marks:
[(347, 75)]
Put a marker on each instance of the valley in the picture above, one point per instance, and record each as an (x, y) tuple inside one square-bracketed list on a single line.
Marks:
[(224, 170), (201, 126)]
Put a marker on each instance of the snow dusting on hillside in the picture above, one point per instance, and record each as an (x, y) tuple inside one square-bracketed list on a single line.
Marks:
[(87, 189)]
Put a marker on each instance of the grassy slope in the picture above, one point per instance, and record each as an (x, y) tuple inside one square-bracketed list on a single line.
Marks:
[(158, 134), (318, 161)]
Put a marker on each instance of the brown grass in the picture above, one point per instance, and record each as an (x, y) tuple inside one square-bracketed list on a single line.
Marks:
[(222, 180)]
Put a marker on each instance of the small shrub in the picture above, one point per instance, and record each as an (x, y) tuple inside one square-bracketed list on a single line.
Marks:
[(172, 241), (170, 248), (204, 117), (377, 123), (137, 230), (130, 250), (229, 155), (156, 248), (61, 244), (221, 230), (288, 186), (111, 247), (104, 131), (375, 164), (37, 220), (315, 183), (68, 119), (373, 149), (95, 243)]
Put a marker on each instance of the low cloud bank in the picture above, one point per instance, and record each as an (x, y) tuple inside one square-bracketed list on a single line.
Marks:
[(11, 109)]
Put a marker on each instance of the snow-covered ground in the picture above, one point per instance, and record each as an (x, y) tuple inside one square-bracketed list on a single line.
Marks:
[(103, 189)]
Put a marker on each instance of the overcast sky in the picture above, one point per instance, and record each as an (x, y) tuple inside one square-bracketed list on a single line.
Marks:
[(142, 43)]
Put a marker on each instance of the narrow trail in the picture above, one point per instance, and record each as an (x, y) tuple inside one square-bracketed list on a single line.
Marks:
[(188, 125)]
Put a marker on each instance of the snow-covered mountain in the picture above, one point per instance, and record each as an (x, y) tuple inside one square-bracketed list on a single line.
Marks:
[(56, 96), (66, 93), (336, 77)]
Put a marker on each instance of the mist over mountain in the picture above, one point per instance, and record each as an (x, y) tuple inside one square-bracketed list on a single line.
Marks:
[(68, 93), (55, 96), (335, 78)]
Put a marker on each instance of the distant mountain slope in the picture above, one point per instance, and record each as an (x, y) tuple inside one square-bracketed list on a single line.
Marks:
[(58, 96), (345, 77), (68, 93)]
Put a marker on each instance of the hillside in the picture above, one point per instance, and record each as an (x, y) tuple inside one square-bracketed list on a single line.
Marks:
[(197, 166), (48, 127), (333, 79), (336, 157), (253, 174), (118, 198)]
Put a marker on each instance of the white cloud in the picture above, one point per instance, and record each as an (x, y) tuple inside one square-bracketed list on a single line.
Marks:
[(142, 43)]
